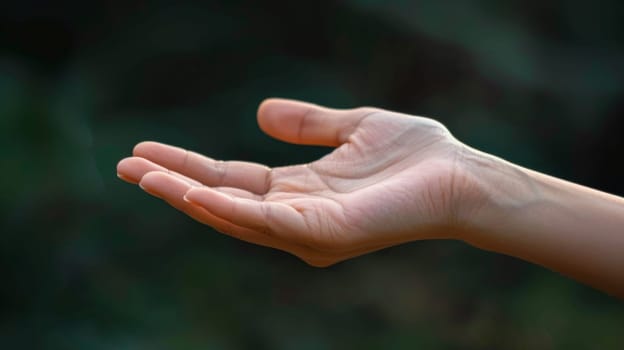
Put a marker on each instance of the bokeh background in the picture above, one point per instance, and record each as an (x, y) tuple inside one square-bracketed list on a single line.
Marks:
[(90, 262)]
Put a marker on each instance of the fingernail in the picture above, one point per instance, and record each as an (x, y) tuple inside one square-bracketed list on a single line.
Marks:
[(187, 200), (155, 194), (186, 196), (125, 178)]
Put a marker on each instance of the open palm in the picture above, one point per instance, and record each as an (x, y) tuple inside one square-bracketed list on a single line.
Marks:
[(393, 178)]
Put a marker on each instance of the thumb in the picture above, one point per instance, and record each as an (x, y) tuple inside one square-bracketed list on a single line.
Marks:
[(308, 124)]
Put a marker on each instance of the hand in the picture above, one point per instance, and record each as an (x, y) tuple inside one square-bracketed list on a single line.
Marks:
[(393, 178)]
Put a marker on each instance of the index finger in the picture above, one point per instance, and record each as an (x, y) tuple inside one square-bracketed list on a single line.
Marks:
[(248, 176)]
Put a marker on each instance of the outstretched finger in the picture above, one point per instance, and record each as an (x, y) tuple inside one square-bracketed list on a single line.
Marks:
[(244, 175), (132, 170), (273, 218), (173, 190), (309, 124)]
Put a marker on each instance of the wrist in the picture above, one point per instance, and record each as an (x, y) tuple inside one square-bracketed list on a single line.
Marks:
[(495, 191), (568, 228)]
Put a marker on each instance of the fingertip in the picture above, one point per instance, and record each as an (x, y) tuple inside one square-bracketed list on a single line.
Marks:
[(143, 147), (280, 118), (150, 176), (275, 107), (122, 163), (162, 184), (264, 113), (267, 101), (132, 169), (151, 180), (147, 183), (190, 196), (123, 169), (271, 101), (193, 194), (125, 178)]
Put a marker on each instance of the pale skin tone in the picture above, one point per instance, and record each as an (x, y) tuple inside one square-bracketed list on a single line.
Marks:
[(392, 178)]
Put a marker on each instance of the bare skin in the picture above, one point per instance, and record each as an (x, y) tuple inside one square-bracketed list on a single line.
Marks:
[(391, 179)]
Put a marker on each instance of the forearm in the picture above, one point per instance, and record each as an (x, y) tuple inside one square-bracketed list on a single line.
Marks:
[(565, 227)]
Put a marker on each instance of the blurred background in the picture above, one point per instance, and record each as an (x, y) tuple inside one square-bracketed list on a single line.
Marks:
[(90, 262)]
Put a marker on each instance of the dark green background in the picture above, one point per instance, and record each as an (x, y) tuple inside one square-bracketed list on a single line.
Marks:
[(90, 262)]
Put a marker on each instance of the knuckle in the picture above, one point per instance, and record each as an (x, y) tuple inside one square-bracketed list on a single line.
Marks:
[(220, 169), (364, 110)]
